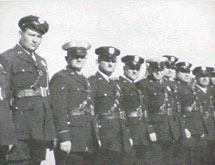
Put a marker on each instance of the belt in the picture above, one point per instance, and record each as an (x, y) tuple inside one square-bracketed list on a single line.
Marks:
[(79, 113), (135, 114), (42, 91), (120, 115), (188, 108)]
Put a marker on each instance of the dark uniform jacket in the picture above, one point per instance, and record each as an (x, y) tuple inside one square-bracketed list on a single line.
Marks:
[(72, 105), (32, 116), (111, 131), (158, 107), (191, 116), (211, 91), (132, 100), (207, 111), (7, 131)]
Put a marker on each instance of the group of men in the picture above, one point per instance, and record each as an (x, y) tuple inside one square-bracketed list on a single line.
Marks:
[(166, 118)]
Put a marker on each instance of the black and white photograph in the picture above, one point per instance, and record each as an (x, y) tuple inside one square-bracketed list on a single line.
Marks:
[(89, 82)]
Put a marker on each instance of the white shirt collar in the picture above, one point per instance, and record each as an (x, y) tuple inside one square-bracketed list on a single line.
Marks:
[(30, 54), (127, 79), (106, 77), (203, 89)]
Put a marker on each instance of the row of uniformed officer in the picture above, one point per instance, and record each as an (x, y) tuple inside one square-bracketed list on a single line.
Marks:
[(158, 120), (25, 87), (189, 111), (99, 114), (163, 119)]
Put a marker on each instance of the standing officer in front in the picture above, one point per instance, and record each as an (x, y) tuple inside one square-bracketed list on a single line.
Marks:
[(29, 93), (191, 121), (159, 112), (170, 81), (114, 135), (207, 111), (133, 102), (74, 116)]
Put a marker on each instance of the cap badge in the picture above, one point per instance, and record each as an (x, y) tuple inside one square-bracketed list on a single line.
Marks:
[(203, 68), (78, 51), (136, 59), (41, 21), (111, 50), (172, 59)]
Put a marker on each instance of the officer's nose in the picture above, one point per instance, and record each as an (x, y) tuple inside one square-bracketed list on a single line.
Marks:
[(110, 64), (34, 40)]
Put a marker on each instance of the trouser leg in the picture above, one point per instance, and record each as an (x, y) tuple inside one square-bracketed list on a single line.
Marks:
[(153, 154), (177, 153), (3, 152), (107, 157), (167, 153), (27, 152), (74, 158)]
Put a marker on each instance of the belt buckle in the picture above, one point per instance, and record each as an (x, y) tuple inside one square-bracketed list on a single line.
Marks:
[(169, 112), (140, 114), (44, 91), (122, 115)]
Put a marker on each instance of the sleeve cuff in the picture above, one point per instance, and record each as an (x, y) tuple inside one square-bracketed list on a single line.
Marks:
[(64, 136)]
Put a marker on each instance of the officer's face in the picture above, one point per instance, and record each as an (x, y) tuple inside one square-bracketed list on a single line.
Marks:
[(184, 77), (158, 75), (212, 80), (30, 39), (203, 81), (132, 74), (107, 66), (170, 73), (76, 63)]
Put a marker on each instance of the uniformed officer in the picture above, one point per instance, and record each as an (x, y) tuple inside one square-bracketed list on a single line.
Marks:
[(207, 111), (211, 86), (115, 138), (74, 115), (211, 90), (7, 131), (192, 122), (133, 103), (170, 81), (28, 92), (159, 112)]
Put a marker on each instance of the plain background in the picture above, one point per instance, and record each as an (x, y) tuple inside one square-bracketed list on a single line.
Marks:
[(149, 29)]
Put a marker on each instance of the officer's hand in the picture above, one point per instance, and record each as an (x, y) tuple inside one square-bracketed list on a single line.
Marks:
[(10, 147), (99, 143), (203, 135), (187, 133), (131, 142), (153, 137), (66, 146), (55, 142)]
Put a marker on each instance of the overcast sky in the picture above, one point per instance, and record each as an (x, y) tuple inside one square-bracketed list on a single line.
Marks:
[(185, 29)]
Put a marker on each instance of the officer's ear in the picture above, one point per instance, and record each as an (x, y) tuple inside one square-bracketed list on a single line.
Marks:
[(125, 67), (67, 59), (20, 32)]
